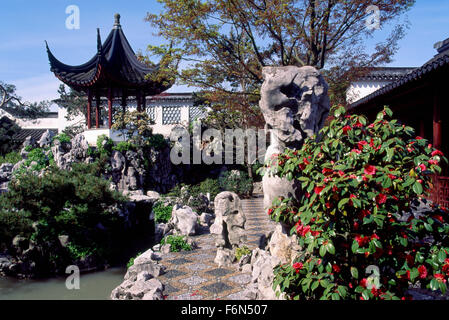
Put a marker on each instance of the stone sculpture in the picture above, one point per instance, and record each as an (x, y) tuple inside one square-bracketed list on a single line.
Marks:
[(295, 104), (228, 227)]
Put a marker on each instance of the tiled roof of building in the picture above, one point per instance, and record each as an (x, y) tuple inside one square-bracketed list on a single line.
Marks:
[(115, 64), (441, 60), (35, 134)]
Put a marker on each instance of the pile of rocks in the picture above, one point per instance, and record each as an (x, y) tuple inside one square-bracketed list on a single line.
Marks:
[(140, 281)]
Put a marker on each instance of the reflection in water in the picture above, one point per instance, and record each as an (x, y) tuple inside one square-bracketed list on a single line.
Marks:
[(93, 286)]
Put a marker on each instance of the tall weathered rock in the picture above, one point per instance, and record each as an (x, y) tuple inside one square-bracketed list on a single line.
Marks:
[(228, 227), (295, 104)]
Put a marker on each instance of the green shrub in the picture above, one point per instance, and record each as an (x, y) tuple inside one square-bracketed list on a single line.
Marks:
[(157, 141), (72, 203), (240, 252), (358, 180), (8, 129), (131, 261), (162, 214), (236, 181), (104, 145), (124, 146), (38, 156), (63, 138), (177, 243), (12, 157), (211, 186)]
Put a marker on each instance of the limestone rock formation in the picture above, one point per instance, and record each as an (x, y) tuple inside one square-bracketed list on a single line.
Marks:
[(140, 282), (295, 104), (228, 227), (183, 220)]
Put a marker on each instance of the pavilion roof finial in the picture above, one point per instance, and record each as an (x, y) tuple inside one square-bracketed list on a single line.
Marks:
[(117, 20)]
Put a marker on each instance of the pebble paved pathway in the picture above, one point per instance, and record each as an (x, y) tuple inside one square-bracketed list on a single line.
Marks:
[(193, 275)]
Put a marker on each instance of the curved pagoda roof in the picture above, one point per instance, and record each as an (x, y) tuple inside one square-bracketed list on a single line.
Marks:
[(114, 66)]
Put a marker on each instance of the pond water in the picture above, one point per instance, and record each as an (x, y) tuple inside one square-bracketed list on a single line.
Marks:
[(93, 286)]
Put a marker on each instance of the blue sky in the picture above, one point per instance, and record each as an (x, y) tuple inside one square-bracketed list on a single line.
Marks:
[(25, 24)]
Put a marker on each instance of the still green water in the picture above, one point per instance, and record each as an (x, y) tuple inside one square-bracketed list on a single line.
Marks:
[(93, 286)]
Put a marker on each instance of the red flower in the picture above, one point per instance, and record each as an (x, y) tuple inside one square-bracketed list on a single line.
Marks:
[(370, 170), (270, 211), (361, 240), (392, 177), (418, 138), (327, 171), (346, 129), (363, 282), (445, 269), (422, 272), (356, 151), (422, 166), (440, 277), (318, 189), (362, 143), (434, 162), (336, 268), (301, 230), (297, 266), (358, 124), (381, 198), (437, 153)]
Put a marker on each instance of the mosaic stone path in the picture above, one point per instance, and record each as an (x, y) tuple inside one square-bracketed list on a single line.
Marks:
[(193, 275)]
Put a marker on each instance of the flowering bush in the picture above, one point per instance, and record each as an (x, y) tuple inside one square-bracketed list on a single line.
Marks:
[(354, 220)]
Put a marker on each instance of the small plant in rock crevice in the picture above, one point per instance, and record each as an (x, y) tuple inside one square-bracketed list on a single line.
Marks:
[(177, 243)]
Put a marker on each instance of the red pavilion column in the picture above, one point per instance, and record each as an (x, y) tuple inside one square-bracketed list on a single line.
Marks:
[(89, 112), (97, 112), (139, 102), (144, 102), (110, 108), (437, 132)]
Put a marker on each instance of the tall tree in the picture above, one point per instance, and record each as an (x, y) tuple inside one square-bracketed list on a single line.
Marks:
[(225, 43), (14, 104)]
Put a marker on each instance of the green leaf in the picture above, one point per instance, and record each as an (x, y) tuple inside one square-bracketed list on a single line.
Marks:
[(342, 202), (355, 247), (408, 182), (315, 285), (434, 285), (417, 188), (354, 272), (441, 256), (331, 248), (323, 251)]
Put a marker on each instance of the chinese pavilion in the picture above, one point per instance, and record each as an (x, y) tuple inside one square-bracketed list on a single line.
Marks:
[(114, 72)]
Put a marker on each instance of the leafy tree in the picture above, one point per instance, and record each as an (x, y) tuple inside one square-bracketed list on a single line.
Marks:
[(225, 43), (13, 104), (8, 128), (75, 104)]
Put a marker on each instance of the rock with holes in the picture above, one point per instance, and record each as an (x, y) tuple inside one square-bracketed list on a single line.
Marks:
[(183, 220), (284, 246), (295, 104), (229, 224)]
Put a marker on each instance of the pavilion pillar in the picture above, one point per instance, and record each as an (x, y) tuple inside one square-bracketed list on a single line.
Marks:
[(437, 130), (144, 103), (97, 111), (139, 102), (89, 111), (110, 108), (124, 97)]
